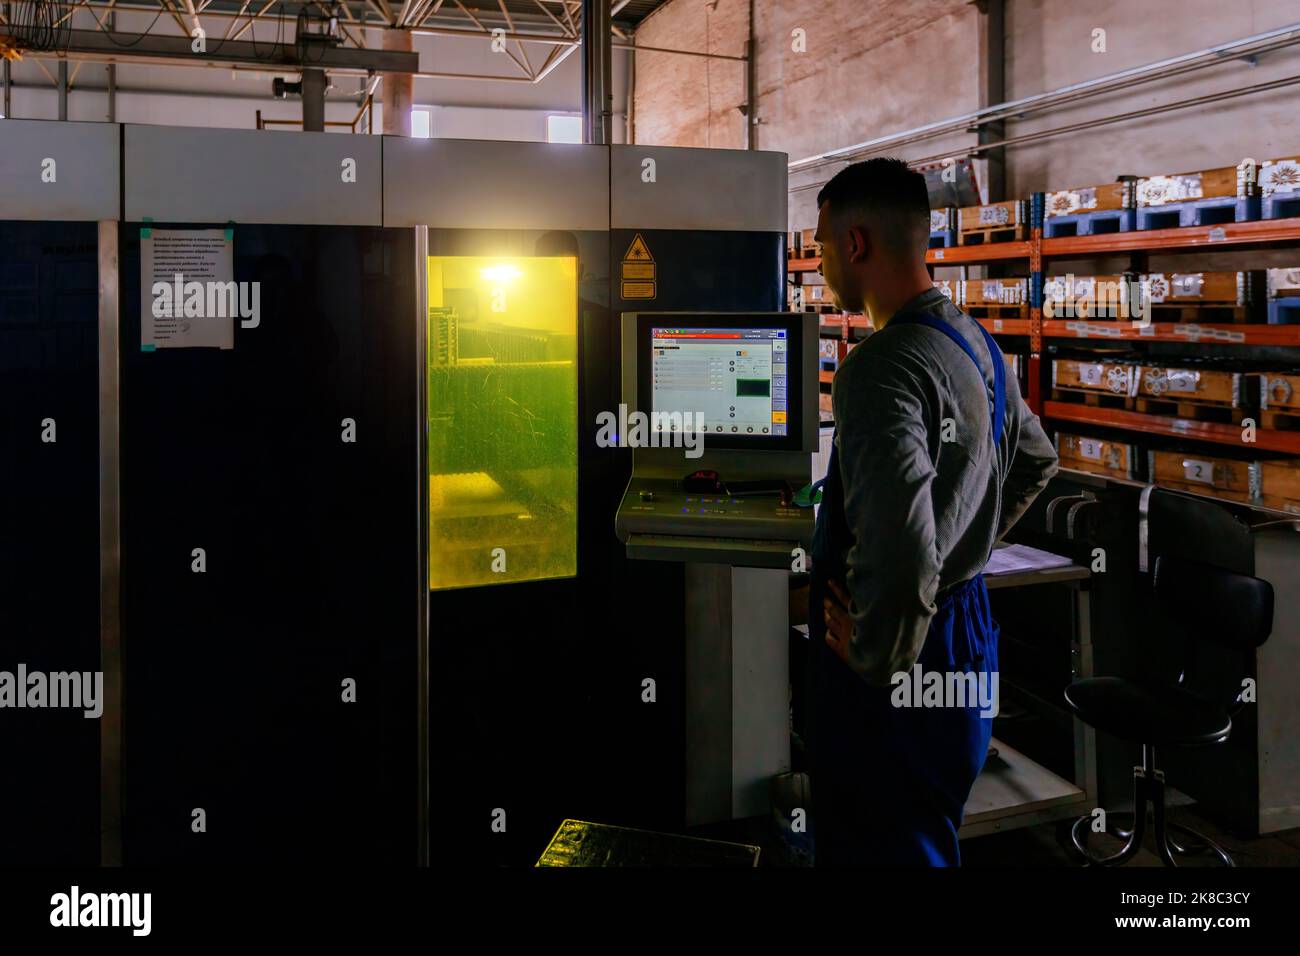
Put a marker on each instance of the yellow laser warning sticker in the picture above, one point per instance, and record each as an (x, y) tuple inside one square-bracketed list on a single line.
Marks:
[(638, 271), (638, 290)]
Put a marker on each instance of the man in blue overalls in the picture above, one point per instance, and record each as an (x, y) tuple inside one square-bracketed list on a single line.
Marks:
[(936, 455)]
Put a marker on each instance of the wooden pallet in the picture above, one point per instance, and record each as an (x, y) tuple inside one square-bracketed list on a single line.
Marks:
[(1220, 183), (1279, 485), (1203, 314), (1097, 456), (1091, 397), (1100, 377), (1195, 411), (1197, 386), (1279, 392), (1203, 474), (1280, 421), (997, 311), (979, 237), (994, 291), (1106, 198), (1279, 186)]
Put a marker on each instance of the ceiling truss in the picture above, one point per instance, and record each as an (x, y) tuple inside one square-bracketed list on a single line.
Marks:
[(511, 27)]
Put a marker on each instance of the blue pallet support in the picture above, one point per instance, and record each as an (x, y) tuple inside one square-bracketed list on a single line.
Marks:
[(1035, 290), (1284, 311), (943, 238), (1192, 212), (1086, 223), (1037, 207), (1282, 206)]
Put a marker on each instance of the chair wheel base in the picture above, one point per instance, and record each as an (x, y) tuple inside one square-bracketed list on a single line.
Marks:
[(1169, 848)]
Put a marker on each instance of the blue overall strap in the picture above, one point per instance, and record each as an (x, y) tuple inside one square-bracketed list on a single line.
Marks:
[(998, 404)]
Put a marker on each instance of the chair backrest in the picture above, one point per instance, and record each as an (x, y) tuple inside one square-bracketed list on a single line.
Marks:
[(1213, 605)]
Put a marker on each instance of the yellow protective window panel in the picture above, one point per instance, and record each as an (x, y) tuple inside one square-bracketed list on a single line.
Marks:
[(502, 419)]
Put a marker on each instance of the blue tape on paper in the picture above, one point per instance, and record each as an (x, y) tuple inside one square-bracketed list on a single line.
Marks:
[(145, 231)]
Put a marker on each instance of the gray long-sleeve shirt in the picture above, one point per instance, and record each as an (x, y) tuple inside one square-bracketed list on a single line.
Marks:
[(924, 512)]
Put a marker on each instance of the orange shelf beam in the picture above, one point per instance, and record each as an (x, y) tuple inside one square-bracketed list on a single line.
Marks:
[(954, 255), (1228, 235), (1265, 438), (968, 255), (1216, 334)]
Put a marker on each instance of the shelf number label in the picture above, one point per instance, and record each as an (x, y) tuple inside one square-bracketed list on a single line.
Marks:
[(997, 325), (1090, 448), (1218, 234), (938, 253), (1090, 374), (1196, 470)]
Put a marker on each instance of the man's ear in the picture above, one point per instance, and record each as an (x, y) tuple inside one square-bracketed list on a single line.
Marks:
[(858, 243)]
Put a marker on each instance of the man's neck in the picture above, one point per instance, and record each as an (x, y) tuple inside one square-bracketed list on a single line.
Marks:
[(884, 307)]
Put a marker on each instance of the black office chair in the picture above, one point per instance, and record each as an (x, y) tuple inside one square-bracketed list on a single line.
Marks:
[(1212, 607)]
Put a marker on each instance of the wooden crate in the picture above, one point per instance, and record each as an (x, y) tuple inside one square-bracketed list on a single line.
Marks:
[(994, 291), (1196, 288), (1279, 391), (941, 220), (1279, 485), (1094, 378), (1086, 297), (1282, 283), (1067, 202), (951, 288), (1097, 455), (1226, 181), (995, 216), (1279, 400), (817, 296), (995, 298), (1188, 386), (1224, 297), (809, 248), (1195, 472), (1280, 176)]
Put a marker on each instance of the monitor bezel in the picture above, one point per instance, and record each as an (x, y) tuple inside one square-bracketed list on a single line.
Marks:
[(791, 323)]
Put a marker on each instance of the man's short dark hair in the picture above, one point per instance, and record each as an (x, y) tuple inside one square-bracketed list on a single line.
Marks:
[(884, 192)]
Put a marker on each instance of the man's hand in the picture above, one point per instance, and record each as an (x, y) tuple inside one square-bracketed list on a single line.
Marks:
[(839, 626)]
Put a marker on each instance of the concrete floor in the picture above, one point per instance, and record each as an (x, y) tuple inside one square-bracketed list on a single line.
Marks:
[(1046, 845)]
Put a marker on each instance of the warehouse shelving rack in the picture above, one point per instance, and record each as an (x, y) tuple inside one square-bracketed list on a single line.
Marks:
[(1225, 237)]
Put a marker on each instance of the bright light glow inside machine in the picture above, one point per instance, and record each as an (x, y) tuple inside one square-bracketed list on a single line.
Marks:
[(503, 419), (735, 378)]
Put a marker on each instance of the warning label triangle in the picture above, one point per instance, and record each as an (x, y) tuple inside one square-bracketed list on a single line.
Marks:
[(637, 252)]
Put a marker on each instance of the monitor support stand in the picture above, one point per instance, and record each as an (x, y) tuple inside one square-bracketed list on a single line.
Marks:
[(738, 554)]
